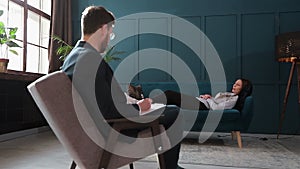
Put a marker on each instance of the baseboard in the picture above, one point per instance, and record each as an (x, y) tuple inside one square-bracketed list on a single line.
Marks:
[(22, 133)]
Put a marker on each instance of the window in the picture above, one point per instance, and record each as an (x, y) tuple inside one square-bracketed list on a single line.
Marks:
[(32, 17)]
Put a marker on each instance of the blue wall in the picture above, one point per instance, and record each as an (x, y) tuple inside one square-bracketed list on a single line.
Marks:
[(243, 33)]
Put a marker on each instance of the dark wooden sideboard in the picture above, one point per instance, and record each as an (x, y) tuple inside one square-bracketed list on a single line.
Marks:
[(17, 108)]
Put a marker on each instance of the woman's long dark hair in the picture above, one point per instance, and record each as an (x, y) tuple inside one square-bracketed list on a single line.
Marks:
[(246, 91)]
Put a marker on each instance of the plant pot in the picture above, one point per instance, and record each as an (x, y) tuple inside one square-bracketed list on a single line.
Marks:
[(3, 65)]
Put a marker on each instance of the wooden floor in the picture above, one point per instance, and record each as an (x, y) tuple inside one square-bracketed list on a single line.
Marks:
[(43, 151)]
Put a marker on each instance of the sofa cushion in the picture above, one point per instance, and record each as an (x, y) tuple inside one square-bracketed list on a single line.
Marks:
[(227, 115)]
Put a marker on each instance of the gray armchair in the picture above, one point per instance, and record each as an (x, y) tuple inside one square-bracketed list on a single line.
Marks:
[(53, 95)]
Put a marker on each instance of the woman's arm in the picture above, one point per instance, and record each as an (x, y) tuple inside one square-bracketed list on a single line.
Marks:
[(223, 101)]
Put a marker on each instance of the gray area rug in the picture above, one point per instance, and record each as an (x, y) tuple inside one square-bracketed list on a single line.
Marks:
[(256, 153)]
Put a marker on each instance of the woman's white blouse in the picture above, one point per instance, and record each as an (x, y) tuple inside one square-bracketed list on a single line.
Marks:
[(222, 100)]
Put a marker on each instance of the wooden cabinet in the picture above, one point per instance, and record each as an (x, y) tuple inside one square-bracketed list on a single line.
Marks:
[(17, 108)]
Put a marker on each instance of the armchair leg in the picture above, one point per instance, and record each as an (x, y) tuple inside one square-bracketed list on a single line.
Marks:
[(73, 165), (157, 142), (131, 166), (161, 160)]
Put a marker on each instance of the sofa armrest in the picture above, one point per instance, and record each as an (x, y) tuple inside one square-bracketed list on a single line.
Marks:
[(247, 113)]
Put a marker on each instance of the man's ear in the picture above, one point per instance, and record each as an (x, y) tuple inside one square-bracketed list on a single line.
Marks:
[(104, 28), (102, 31)]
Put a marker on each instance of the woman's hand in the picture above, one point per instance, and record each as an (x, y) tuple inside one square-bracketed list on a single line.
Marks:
[(205, 96), (144, 104)]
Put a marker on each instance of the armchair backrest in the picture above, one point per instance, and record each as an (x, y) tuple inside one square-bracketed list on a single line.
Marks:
[(53, 95)]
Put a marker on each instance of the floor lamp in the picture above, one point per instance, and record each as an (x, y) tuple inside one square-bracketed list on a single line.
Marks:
[(288, 50)]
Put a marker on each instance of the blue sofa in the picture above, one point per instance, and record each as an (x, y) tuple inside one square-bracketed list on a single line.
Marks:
[(231, 120)]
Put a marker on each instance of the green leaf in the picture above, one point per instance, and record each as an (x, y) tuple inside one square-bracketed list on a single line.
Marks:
[(2, 28), (62, 58), (3, 40), (110, 54), (13, 51), (2, 25), (64, 50), (11, 43), (12, 33)]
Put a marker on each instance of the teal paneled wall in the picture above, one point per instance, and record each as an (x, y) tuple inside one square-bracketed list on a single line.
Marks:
[(242, 31), (222, 31)]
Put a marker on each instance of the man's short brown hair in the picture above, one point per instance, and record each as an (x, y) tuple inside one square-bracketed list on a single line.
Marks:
[(94, 17)]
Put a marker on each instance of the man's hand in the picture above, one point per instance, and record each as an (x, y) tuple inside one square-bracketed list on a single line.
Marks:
[(205, 96), (144, 104)]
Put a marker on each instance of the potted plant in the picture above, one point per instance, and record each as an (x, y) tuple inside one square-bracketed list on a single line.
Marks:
[(7, 37), (64, 49)]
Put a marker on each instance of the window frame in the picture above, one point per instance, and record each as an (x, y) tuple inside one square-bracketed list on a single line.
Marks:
[(25, 42)]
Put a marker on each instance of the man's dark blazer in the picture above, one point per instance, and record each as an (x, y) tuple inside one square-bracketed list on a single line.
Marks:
[(85, 61)]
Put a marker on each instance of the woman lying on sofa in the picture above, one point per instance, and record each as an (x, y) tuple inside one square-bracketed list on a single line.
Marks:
[(223, 100)]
